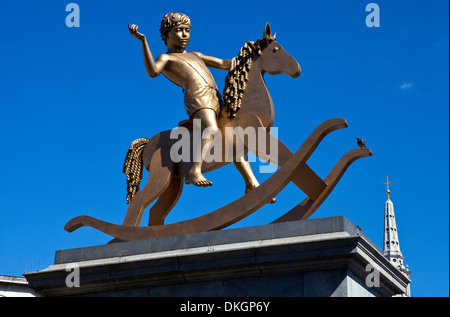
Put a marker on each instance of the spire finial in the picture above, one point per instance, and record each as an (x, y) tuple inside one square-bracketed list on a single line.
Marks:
[(387, 183)]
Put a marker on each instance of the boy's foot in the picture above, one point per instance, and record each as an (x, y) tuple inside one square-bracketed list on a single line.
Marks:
[(248, 189), (197, 180)]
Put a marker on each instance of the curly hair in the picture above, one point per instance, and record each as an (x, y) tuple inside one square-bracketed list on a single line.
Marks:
[(236, 80), (172, 19)]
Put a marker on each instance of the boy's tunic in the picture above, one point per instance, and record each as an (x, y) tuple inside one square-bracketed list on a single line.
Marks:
[(200, 89)]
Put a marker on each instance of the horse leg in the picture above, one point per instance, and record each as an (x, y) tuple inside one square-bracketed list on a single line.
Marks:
[(165, 202), (159, 178)]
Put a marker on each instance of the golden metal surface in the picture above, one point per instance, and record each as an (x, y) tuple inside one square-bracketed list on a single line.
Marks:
[(387, 183), (132, 166), (247, 103)]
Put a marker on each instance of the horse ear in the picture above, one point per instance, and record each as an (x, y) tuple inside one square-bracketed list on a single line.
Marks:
[(254, 48), (267, 32)]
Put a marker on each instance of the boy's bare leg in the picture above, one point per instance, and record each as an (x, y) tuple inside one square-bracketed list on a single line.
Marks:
[(208, 120), (246, 171), (243, 166)]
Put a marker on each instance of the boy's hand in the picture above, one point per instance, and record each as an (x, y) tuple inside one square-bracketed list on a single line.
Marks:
[(133, 31)]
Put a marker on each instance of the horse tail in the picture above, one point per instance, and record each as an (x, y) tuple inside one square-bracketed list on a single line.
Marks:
[(132, 166)]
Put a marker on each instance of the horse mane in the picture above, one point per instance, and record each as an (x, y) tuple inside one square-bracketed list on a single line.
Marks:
[(237, 77), (236, 80)]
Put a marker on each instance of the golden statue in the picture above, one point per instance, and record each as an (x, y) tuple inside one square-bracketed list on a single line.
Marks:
[(246, 104), (189, 70)]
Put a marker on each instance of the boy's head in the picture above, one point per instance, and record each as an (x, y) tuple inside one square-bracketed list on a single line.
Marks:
[(170, 20)]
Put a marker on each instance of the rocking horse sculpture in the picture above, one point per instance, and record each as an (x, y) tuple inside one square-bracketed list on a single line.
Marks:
[(254, 109)]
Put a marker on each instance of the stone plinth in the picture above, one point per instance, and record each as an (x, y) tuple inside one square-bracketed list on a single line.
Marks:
[(319, 257)]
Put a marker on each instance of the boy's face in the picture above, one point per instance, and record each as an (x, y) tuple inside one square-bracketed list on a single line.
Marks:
[(179, 36)]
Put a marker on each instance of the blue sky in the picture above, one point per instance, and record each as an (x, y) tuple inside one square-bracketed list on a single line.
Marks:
[(73, 99)]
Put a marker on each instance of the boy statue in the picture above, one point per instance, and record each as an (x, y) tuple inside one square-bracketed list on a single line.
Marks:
[(189, 70)]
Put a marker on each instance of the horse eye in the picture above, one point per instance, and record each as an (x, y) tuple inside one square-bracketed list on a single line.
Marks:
[(275, 49)]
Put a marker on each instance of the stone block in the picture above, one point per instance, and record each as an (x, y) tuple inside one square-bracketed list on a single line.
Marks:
[(324, 257)]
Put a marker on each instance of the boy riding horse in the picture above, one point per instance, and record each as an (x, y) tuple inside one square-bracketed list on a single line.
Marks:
[(202, 99)]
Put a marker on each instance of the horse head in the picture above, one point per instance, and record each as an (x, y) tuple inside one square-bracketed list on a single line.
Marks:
[(272, 58), (254, 59)]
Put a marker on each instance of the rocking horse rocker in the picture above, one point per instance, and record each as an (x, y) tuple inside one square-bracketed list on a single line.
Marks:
[(251, 107)]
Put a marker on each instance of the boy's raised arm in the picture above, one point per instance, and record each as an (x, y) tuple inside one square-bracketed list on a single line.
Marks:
[(153, 68), (215, 62)]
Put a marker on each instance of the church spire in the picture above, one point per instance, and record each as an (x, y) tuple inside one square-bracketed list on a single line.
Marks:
[(391, 245)]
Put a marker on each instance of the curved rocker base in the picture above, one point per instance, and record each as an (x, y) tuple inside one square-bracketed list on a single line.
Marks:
[(249, 203)]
